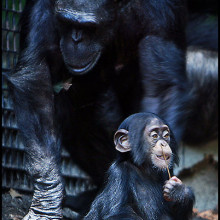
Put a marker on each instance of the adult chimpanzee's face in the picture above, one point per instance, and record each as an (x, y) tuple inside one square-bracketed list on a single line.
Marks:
[(82, 26), (157, 136)]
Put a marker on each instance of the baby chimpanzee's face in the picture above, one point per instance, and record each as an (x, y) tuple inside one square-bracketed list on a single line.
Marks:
[(157, 138)]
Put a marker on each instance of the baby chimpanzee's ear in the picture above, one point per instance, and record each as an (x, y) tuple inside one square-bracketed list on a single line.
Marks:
[(121, 141)]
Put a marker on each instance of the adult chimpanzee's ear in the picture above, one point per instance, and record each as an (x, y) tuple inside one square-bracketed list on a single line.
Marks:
[(121, 141)]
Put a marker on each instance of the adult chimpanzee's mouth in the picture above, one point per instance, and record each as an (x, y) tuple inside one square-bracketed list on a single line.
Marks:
[(80, 70), (165, 157)]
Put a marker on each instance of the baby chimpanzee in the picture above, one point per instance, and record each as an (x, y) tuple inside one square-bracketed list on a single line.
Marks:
[(137, 185)]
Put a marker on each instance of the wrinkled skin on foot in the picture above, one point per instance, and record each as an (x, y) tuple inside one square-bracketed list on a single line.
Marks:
[(48, 192), (47, 204), (32, 216)]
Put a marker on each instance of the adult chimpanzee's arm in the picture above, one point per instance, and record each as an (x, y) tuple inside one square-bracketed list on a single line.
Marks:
[(162, 64), (34, 109)]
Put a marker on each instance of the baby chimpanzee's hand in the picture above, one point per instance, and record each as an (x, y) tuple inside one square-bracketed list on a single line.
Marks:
[(172, 188)]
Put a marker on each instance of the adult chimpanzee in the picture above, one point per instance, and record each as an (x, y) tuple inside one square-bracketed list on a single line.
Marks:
[(136, 187), (84, 67)]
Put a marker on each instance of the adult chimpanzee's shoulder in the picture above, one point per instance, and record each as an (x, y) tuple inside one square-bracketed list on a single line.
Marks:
[(37, 17)]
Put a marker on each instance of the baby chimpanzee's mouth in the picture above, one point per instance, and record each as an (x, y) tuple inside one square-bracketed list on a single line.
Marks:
[(161, 157)]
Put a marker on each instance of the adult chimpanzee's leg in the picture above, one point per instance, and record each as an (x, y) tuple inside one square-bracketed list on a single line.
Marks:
[(34, 108), (35, 116)]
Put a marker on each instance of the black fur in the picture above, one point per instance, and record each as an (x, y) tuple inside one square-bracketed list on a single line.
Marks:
[(134, 188)]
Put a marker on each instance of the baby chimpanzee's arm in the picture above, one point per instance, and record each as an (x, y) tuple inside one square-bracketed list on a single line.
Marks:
[(181, 196)]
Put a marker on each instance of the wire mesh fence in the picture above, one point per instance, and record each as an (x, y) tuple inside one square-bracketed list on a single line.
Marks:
[(14, 161)]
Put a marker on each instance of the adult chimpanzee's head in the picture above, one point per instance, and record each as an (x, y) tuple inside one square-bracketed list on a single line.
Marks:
[(82, 26), (149, 139)]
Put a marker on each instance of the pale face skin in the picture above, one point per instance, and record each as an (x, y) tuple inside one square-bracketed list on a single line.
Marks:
[(158, 135)]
